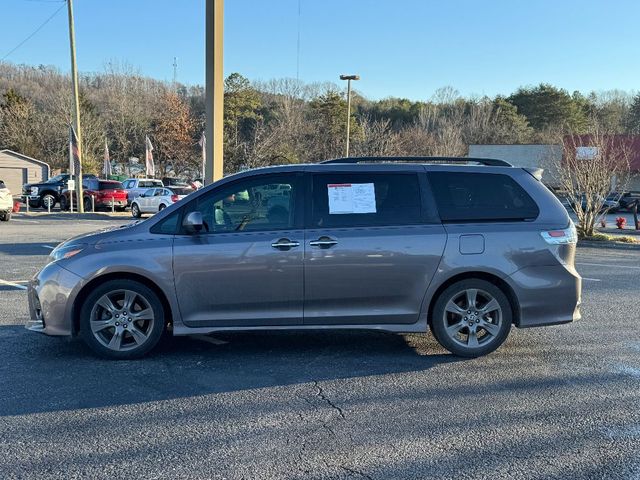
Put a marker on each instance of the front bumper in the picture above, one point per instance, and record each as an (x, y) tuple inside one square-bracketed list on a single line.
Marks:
[(547, 295), (51, 293)]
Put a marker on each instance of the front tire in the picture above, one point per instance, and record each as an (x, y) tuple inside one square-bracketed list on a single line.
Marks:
[(471, 318), (122, 319), (135, 211), (48, 201), (5, 217)]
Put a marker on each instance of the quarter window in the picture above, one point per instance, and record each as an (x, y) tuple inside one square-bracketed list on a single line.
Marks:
[(476, 197), (359, 199)]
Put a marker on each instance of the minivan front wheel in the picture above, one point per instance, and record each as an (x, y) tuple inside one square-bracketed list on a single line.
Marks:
[(471, 318), (122, 319)]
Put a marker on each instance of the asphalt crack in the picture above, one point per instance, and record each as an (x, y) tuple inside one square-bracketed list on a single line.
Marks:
[(320, 394), (353, 471)]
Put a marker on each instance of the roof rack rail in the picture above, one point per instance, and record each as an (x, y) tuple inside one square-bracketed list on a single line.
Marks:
[(490, 162)]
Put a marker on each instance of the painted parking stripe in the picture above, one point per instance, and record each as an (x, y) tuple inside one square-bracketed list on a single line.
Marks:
[(48, 246), (13, 284), (591, 279), (609, 266)]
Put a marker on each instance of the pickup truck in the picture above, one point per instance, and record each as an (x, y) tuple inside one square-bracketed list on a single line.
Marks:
[(47, 194)]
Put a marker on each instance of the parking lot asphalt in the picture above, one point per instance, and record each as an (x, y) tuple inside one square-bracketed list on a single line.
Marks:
[(556, 402)]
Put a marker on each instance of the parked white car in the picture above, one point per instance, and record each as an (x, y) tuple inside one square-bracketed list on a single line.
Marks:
[(6, 203), (137, 186), (155, 199)]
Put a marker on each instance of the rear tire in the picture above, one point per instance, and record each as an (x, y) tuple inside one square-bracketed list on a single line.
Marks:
[(87, 204), (471, 318), (122, 320), (63, 204), (161, 207), (5, 217)]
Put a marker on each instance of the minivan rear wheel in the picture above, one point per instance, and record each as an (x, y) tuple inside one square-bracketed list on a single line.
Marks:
[(471, 318), (122, 319)]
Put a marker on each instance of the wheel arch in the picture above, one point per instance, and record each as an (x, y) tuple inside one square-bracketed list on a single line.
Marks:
[(489, 277), (96, 282)]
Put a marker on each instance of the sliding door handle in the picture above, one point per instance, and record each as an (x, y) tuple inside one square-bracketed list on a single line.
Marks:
[(323, 242)]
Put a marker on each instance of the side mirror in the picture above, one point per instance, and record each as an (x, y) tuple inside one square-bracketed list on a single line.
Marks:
[(193, 222)]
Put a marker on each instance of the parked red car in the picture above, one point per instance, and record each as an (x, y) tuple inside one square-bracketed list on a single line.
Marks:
[(105, 194)]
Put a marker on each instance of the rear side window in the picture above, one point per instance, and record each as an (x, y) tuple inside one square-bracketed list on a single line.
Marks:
[(365, 199), (477, 197), (181, 190)]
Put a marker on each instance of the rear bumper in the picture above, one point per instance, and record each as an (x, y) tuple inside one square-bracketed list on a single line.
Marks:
[(547, 295), (51, 293)]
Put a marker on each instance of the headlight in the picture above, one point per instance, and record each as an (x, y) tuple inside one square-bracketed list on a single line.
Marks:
[(65, 251), (34, 190)]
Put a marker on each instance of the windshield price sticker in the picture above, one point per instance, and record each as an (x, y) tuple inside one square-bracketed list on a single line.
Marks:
[(345, 198)]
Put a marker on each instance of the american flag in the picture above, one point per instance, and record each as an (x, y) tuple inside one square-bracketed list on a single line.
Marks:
[(148, 162), (74, 152)]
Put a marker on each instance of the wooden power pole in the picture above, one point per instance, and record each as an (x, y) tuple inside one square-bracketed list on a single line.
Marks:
[(76, 119)]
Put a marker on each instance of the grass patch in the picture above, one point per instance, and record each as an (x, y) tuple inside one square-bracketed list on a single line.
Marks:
[(605, 237)]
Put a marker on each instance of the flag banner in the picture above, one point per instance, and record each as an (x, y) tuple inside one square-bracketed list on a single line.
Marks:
[(74, 153), (203, 145), (106, 168), (149, 165)]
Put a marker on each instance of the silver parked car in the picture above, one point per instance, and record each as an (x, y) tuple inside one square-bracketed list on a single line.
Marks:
[(137, 186), (395, 244)]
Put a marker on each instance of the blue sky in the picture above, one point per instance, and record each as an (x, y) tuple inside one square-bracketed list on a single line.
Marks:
[(403, 48)]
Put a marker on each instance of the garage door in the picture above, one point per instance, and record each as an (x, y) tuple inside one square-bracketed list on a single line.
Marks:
[(14, 178)]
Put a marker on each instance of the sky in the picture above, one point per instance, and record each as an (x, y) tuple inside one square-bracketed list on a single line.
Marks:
[(400, 48)]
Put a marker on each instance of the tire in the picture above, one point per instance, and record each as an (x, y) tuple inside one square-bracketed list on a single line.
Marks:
[(46, 200), (63, 204), (87, 204), (135, 211), (114, 332), (5, 217), (459, 324), (162, 207)]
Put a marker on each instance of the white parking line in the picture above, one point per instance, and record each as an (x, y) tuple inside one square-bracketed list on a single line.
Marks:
[(14, 284), (607, 265), (48, 246), (591, 279)]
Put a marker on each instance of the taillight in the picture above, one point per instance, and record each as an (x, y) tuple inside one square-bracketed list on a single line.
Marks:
[(174, 198), (561, 237)]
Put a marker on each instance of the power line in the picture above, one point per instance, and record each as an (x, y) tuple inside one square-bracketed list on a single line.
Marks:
[(34, 32)]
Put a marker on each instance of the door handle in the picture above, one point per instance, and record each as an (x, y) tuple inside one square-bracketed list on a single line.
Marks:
[(285, 243), (323, 242)]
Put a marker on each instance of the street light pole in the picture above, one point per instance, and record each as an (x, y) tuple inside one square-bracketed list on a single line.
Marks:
[(348, 78), (76, 119)]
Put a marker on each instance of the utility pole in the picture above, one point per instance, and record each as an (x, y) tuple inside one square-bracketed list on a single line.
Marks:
[(175, 73), (214, 89), (76, 119), (348, 78)]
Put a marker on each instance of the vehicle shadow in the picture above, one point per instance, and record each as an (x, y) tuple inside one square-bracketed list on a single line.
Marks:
[(29, 249), (44, 374)]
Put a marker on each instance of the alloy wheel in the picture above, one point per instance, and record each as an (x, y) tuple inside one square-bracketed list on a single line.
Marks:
[(472, 318), (122, 320)]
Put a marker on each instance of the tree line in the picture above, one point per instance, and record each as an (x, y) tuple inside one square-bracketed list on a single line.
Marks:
[(281, 121)]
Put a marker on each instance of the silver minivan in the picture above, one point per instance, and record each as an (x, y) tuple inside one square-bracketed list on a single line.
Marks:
[(463, 247)]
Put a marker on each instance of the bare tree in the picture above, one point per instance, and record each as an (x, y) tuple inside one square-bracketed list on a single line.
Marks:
[(591, 167)]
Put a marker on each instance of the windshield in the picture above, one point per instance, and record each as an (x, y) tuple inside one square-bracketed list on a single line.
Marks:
[(57, 178), (109, 186)]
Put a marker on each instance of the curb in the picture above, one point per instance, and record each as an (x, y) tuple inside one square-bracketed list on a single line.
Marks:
[(611, 245)]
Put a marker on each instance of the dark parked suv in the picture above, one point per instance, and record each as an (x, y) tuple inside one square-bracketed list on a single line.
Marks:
[(395, 244)]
